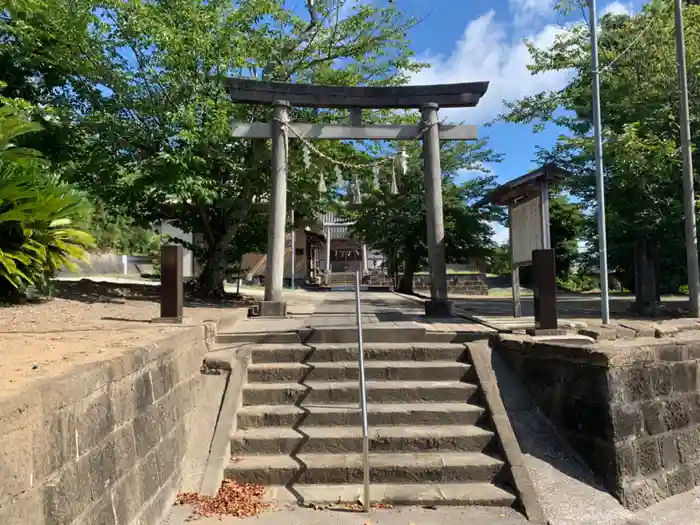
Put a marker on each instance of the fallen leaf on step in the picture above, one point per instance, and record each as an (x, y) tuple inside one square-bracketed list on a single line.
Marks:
[(241, 500)]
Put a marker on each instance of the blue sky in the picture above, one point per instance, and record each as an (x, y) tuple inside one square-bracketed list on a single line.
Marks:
[(475, 40)]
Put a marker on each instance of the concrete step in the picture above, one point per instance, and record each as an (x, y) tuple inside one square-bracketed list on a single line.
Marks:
[(377, 414), (484, 494), (323, 392), (407, 333), (344, 334), (422, 467), (345, 440), (477, 333), (290, 337), (321, 353), (347, 371)]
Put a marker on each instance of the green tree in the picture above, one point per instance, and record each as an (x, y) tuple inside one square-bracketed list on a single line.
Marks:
[(154, 138), (639, 104), (499, 260), (566, 227), (51, 60), (115, 231), (397, 225)]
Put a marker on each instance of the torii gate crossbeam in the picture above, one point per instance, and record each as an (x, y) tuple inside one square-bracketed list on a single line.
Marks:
[(426, 98)]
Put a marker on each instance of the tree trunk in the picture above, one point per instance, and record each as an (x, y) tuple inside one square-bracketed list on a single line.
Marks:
[(646, 282), (211, 281), (409, 269), (394, 272)]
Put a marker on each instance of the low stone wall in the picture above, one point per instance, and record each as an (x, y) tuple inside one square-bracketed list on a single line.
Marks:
[(631, 409), (104, 445), (461, 283)]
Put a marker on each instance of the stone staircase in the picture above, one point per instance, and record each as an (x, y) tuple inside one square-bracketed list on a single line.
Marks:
[(299, 430), (342, 279)]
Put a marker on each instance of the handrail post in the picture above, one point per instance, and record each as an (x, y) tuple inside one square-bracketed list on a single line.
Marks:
[(363, 392)]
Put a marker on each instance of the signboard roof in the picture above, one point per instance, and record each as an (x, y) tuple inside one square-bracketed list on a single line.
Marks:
[(525, 187)]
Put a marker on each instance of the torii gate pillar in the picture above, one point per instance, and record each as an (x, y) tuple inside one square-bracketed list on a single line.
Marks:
[(273, 305), (439, 305)]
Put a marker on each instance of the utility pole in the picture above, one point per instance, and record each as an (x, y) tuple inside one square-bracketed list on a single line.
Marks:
[(691, 240), (599, 180)]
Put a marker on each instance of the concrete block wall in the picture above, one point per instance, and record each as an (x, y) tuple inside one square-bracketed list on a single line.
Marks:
[(632, 412), (104, 445)]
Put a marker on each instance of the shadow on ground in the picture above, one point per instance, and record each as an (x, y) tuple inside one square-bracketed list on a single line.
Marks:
[(569, 306), (569, 492), (89, 291)]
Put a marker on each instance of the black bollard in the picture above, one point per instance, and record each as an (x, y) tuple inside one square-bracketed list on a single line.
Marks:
[(545, 289), (171, 285)]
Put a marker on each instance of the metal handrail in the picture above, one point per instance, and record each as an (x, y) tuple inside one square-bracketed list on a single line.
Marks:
[(363, 391)]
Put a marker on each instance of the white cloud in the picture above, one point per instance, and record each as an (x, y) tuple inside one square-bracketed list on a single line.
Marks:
[(486, 52), (527, 11), (618, 8)]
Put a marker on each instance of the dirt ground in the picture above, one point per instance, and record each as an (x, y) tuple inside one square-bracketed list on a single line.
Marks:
[(87, 321)]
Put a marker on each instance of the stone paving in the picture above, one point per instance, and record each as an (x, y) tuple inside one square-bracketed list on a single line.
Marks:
[(395, 516), (338, 309)]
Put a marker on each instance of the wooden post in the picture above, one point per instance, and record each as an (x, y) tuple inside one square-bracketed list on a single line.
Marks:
[(545, 289), (273, 305), (515, 280), (171, 285), (328, 257), (515, 270), (439, 305), (544, 214)]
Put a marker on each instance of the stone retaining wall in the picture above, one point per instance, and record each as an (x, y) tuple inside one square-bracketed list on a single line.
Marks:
[(104, 445), (462, 283), (630, 409)]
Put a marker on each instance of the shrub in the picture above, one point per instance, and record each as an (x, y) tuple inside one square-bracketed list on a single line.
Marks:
[(39, 215)]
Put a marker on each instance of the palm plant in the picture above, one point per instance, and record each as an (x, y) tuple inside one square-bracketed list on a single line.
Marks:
[(38, 213)]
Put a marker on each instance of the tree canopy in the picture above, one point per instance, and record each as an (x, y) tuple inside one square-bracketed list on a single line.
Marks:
[(639, 106), (141, 96)]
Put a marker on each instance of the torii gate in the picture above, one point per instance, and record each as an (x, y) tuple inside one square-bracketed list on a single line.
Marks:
[(426, 98)]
